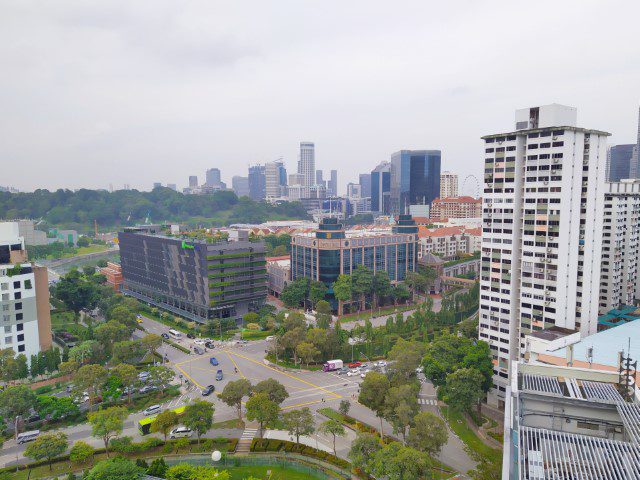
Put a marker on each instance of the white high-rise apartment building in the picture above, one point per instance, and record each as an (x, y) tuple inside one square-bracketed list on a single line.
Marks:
[(25, 321), (542, 232), (273, 179), (620, 245), (448, 185), (307, 163)]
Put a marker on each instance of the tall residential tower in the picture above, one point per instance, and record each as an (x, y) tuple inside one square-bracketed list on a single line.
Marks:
[(542, 232), (307, 163)]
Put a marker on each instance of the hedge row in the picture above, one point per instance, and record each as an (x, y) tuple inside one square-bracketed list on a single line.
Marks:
[(124, 445), (272, 445)]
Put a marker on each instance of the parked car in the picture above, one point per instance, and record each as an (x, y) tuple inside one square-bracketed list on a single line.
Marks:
[(208, 390), (139, 318), (269, 338), (190, 335), (219, 375), (199, 341), (382, 363), (209, 344), (343, 370), (143, 376), (355, 364), (419, 369), (180, 432), (353, 373), (33, 418), (363, 373), (148, 388), (198, 350), (214, 361), (164, 335), (152, 410)]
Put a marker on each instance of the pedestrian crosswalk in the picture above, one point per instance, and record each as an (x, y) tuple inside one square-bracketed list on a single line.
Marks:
[(249, 434), (244, 444), (427, 401)]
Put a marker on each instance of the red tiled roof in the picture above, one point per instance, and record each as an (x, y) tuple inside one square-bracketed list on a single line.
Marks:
[(464, 199), (439, 232)]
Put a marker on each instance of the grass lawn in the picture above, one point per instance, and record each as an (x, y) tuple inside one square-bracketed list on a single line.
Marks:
[(277, 473), (459, 425), (390, 310), (255, 334), (85, 250)]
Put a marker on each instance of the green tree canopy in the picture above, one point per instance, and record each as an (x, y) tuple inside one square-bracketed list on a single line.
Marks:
[(115, 469), (428, 433), (262, 409), (463, 389), (164, 422), (273, 389), (16, 401), (107, 424), (47, 446), (373, 391), (298, 422), (198, 416), (81, 452), (233, 393)]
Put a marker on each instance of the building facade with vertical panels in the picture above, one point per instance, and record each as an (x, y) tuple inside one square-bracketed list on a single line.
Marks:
[(620, 245), (331, 251), (24, 297), (619, 158), (448, 184), (381, 188), (542, 232), (307, 163), (193, 278), (456, 207), (257, 183), (415, 178)]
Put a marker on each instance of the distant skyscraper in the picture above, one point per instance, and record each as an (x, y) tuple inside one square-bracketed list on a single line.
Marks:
[(635, 159), (156, 185), (354, 190), (365, 184), (296, 179), (275, 178), (240, 186), (415, 178), (193, 181), (542, 233), (332, 187), (172, 186), (619, 159), (213, 177), (380, 188), (448, 185), (257, 182), (307, 163), (319, 179)]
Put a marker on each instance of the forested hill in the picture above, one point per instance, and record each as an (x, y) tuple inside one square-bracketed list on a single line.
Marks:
[(79, 209)]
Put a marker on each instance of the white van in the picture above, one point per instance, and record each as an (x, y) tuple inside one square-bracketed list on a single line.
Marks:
[(25, 437), (175, 334), (180, 432), (152, 410)]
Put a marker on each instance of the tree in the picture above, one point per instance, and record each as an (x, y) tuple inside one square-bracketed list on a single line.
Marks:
[(401, 406), (317, 291), (107, 424), (161, 376), (123, 315), (198, 416), (89, 378), (158, 468), (344, 407), (463, 389), (381, 286), (127, 351), (406, 357), (428, 433), (47, 447), (110, 332), (163, 422), (372, 394), (294, 293), (397, 462), (363, 449), (22, 367), (342, 290), (89, 351), (362, 283), (298, 422), (56, 407), (307, 352), (262, 409), (487, 468), (400, 293), (117, 468), (69, 367), (273, 388), (80, 452), (234, 392), (323, 315), (151, 343), (291, 339), (335, 428), (128, 376), (16, 401), (7, 364)]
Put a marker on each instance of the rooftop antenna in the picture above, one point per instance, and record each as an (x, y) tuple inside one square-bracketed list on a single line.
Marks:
[(624, 373)]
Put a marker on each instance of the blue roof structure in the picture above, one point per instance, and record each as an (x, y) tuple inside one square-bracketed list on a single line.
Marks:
[(618, 316)]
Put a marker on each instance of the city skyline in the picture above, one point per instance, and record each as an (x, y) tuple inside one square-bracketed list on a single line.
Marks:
[(217, 87)]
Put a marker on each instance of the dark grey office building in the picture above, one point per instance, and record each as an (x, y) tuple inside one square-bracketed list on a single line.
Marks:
[(619, 159), (415, 178), (365, 184), (381, 188), (193, 278), (257, 183)]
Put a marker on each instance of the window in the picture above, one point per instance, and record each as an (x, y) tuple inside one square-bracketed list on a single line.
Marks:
[(21, 348), (18, 305), (17, 295), (588, 426), (8, 340), (16, 284), (27, 285), (18, 316)]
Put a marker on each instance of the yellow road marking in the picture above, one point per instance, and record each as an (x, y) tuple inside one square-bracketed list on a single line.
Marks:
[(188, 376), (235, 364), (301, 404), (284, 373)]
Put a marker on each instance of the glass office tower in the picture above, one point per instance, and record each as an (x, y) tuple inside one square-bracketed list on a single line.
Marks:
[(415, 178)]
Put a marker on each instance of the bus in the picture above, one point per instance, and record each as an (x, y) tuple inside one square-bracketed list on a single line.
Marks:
[(25, 437), (175, 334), (144, 425)]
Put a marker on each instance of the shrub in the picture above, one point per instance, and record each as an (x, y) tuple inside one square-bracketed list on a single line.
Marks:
[(123, 445), (151, 442), (43, 389), (253, 326)]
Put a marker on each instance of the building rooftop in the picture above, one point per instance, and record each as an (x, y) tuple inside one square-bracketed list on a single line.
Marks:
[(619, 316), (552, 333), (463, 199), (604, 346)]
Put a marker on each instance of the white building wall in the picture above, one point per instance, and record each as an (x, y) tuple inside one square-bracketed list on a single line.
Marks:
[(541, 237)]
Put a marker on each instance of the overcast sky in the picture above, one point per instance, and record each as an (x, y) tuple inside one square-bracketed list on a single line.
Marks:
[(114, 92)]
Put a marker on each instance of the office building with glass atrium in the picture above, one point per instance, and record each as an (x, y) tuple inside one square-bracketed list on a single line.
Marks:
[(331, 250)]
